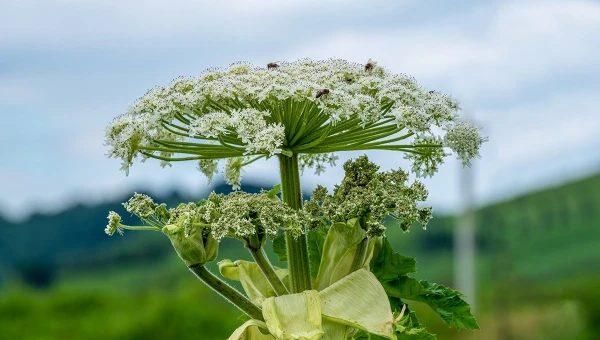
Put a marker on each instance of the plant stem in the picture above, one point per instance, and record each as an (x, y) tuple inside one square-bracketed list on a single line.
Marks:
[(139, 228), (226, 291), (265, 266), (297, 250)]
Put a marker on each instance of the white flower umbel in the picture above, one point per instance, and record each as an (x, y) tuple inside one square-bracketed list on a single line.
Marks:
[(114, 224), (464, 139), (310, 108)]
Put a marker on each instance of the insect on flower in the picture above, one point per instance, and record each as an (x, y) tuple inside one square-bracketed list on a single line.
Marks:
[(272, 66), (369, 66), (322, 92)]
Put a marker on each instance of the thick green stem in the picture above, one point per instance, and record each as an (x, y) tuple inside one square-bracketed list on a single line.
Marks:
[(297, 250), (265, 266), (226, 291)]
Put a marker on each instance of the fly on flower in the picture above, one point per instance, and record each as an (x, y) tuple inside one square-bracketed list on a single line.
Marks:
[(323, 92)]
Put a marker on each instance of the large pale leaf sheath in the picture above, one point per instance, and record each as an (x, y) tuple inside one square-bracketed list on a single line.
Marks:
[(359, 300), (250, 330), (338, 252), (294, 316), (252, 278)]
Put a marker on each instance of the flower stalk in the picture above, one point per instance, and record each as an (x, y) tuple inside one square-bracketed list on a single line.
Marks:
[(297, 249), (259, 256), (226, 291)]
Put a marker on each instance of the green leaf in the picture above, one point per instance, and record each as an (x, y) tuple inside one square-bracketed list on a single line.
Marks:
[(409, 326), (274, 192), (450, 306), (404, 287), (415, 334), (446, 302), (316, 240), (410, 319), (390, 265), (279, 247)]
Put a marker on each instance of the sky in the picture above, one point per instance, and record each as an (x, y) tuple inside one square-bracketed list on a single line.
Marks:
[(525, 71)]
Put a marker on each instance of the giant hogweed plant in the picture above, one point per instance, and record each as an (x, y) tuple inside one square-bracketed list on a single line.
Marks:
[(343, 279)]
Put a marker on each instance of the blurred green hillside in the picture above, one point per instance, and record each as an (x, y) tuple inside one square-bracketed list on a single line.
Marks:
[(538, 273)]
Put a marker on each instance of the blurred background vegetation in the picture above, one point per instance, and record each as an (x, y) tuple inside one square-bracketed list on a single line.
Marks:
[(61, 277)]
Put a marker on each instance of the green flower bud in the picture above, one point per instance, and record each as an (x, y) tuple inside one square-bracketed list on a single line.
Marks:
[(194, 245)]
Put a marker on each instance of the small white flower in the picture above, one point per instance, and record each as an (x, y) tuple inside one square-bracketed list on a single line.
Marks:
[(426, 159), (208, 167), (246, 110), (233, 172), (114, 222), (465, 140), (141, 205)]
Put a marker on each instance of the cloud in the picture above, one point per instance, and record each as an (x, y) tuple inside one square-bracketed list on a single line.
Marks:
[(521, 45), (95, 21), (525, 70)]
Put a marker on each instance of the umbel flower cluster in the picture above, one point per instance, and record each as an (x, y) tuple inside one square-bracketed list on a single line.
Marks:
[(311, 108), (339, 261), (364, 194), (370, 196), (237, 215)]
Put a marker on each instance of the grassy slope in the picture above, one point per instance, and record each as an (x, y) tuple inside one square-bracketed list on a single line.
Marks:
[(538, 248)]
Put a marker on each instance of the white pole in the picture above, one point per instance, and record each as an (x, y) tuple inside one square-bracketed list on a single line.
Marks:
[(464, 240)]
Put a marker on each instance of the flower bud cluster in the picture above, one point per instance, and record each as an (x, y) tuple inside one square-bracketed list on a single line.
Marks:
[(237, 214), (242, 215), (370, 196), (317, 161), (114, 224)]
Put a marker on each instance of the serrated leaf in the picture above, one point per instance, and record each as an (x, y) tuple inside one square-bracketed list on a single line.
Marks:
[(410, 319), (316, 240), (279, 247), (274, 192), (449, 305), (390, 265), (415, 334), (409, 326), (404, 287), (446, 302)]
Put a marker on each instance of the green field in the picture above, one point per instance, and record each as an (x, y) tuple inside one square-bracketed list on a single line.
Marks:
[(537, 265)]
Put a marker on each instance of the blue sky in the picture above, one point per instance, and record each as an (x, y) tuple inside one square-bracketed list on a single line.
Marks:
[(526, 71)]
